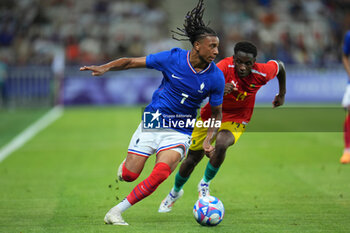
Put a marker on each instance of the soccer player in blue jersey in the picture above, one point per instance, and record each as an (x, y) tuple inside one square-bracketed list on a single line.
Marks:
[(168, 121), (346, 100)]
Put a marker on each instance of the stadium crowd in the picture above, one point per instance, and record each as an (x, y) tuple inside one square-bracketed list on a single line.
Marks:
[(90, 31), (94, 31), (295, 31)]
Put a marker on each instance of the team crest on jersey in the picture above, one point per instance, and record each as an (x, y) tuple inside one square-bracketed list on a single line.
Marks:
[(234, 83), (201, 88)]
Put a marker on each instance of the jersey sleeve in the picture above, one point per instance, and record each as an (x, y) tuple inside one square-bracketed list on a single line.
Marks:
[(160, 60), (346, 44), (271, 69), (217, 91)]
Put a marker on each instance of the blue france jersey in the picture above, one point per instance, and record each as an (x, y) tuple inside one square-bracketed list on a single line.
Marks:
[(183, 89), (346, 46)]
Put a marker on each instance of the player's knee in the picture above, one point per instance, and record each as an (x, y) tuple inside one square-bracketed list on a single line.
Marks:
[(219, 155), (221, 148), (224, 140)]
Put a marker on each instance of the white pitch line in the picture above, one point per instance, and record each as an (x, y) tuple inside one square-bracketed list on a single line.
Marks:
[(30, 132)]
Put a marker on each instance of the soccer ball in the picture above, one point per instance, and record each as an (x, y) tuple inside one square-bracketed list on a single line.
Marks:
[(208, 211)]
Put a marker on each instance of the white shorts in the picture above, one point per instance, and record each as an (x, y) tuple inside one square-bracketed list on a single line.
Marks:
[(346, 98), (147, 143)]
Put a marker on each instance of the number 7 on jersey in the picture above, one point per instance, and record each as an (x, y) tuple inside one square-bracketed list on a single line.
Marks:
[(185, 96)]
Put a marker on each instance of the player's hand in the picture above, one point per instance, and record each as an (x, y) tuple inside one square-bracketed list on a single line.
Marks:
[(208, 148), (96, 70), (229, 88), (278, 101)]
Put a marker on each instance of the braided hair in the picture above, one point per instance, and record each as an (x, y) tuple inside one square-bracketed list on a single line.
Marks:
[(194, 27)]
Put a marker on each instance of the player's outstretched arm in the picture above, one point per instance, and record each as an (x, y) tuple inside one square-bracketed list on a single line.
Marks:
[(216, 115), (281, 76), (118, 64)]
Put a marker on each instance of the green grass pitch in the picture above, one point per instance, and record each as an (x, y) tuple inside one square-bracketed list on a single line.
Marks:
[(63, 180)]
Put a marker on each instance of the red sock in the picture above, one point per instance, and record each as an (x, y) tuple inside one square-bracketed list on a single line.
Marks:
[(347, 131), (127, 175), (160, 172)]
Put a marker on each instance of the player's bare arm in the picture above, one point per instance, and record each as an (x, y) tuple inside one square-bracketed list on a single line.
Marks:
[(216, 115), (346, 63), (228, 88), (281, 76), (118, 64)]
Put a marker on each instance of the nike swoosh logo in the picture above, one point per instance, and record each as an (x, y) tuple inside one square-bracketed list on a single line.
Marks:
[(175, 76)]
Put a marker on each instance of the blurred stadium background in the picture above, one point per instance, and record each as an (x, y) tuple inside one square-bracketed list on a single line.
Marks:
[(63, 179), (43, 43)]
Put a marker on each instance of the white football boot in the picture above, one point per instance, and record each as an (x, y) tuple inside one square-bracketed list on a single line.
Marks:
[(120, 171), (169, 201), (203, 189), (114, 217)]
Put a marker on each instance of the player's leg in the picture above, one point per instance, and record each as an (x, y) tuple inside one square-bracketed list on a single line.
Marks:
[(166, 162), (138, 153), (130, 169), (224, 139), (186, 168), (171, 148), (140, 148), (194, 156), (228, 134), (346, 154)]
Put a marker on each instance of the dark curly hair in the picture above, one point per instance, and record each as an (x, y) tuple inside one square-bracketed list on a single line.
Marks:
[(247, 47), (194, 27)]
